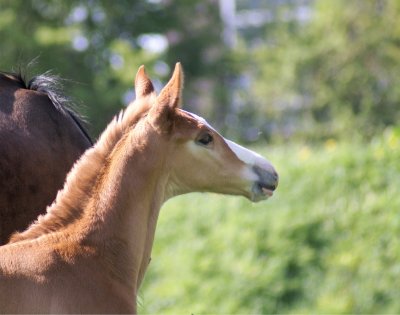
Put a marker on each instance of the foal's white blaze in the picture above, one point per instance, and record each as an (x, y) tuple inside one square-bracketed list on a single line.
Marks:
[(249, 157)]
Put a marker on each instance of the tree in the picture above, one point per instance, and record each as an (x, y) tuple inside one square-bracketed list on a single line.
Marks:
[(98, 46), (338, 71)]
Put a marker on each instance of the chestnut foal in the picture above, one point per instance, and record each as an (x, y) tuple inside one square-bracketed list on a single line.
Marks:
[(89, 253)]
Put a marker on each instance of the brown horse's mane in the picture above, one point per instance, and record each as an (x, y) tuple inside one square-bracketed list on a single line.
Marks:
[(51, 85), (81, 179)]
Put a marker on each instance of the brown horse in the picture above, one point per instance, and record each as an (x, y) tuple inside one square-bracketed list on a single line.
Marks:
[(89, 253), (40, 139)]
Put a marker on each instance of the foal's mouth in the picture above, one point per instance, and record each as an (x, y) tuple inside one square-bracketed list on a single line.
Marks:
[(262, 191), (268, 190)]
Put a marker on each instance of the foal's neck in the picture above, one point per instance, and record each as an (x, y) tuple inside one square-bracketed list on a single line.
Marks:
[(124, 206)]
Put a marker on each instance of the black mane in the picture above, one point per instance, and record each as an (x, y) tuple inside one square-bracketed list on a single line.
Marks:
[(50, 85)]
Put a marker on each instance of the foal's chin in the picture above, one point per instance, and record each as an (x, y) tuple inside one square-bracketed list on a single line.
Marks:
[(260, 193), (254, 194)]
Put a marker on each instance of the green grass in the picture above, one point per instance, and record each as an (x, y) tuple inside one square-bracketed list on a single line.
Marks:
[(327, 242)]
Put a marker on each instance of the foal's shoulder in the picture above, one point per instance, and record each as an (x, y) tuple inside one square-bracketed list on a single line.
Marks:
[(26, 258)]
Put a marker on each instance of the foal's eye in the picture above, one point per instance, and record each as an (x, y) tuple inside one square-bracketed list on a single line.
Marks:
[(205, 139)]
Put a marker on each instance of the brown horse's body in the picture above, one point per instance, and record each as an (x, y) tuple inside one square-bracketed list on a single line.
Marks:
[(89, 253), (39, 142)]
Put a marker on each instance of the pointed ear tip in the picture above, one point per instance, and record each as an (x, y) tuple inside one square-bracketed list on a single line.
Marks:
[(141, 69), (178, 70), (140, 74), (178, 65)]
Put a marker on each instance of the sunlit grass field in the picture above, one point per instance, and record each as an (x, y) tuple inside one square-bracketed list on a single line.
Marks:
[(327, 242)]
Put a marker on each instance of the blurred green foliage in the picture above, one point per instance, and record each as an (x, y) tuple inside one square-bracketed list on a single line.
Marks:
[(313, 69), (338, 71), (326, 242)]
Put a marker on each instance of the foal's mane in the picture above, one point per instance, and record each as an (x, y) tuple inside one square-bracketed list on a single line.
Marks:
[(81, 179), (51, 85)]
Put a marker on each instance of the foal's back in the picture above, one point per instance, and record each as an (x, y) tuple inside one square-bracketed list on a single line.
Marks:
[(39, 142)]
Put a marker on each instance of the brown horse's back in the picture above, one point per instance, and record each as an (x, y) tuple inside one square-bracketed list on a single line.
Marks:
[(39, 142)]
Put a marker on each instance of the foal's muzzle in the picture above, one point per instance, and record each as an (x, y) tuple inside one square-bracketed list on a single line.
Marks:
[(266, 183)]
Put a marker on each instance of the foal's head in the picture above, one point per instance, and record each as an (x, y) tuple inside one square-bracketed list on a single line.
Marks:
[(197, 157)]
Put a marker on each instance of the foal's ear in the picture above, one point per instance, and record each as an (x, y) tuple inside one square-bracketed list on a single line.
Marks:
[(170, 98), (143, 85), (171, 94)]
